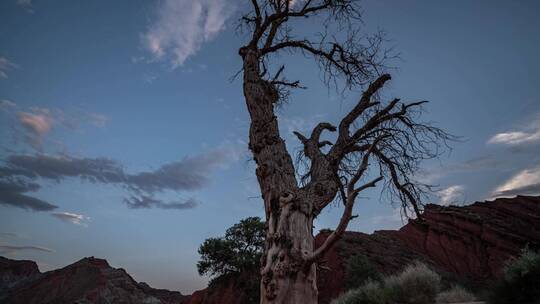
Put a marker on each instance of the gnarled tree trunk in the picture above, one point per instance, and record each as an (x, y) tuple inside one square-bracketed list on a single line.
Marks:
[(289, 237), (388, 136)]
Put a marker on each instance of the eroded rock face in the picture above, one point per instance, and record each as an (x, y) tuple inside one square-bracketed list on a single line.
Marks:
[(15, 272), (89, 280), (383, 249), (472, 242), (476, 240)]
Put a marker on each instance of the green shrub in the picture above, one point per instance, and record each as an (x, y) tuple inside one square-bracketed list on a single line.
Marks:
[(521, 281), (358, 271), (417, 284), (456, 294)]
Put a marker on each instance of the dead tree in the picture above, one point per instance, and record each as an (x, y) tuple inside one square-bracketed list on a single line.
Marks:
[(377, 143)]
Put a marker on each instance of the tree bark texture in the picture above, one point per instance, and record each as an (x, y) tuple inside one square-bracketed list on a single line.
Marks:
[(289, 213)]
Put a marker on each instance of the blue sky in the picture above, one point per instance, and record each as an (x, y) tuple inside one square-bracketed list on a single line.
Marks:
[(131, 139)]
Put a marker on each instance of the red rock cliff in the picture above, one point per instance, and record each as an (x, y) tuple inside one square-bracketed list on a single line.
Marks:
[(475, 240)]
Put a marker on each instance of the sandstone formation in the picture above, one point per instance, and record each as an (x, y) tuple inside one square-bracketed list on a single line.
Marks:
[(478, 239), (472, 242), (89, 280), (13, 272)]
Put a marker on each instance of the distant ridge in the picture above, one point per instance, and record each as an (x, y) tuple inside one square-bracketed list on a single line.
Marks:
[(89, 280)]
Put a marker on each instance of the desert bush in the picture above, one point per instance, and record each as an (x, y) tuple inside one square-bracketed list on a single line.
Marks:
[(371, 292), (359, 270), (521, 280), (456, 294), (416, 284)]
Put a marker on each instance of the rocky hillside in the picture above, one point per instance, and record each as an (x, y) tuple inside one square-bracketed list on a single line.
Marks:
[(89, 280), (471, 242), (13, 272), (475, 240)]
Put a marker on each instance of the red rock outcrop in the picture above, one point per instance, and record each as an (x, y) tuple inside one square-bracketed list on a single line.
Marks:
[(475, 240), (13, 272), (383, 249), (472, 242), (232, 289), (89, 280)]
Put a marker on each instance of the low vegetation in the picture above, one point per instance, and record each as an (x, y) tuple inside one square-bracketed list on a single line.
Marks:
[(359, 270), (456, 294), (416, 284), (521, 281)]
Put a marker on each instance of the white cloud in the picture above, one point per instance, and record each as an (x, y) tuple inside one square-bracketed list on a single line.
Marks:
[(389, 219), (450, 195), (24, 2), (529, 134), (73, 218), (183, 26), (6, 66), (525, 182), (7, 105)]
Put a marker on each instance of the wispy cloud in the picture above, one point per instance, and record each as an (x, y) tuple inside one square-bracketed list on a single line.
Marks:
[(7, 105), (183, 26), (9, 235), (6, 66), (525, 182), (77, 219), (24, 3), (393, 219), (528, 134), (9, 249), (187, 174), (98, 120), (147, 202), (13, 194), (450, 195)]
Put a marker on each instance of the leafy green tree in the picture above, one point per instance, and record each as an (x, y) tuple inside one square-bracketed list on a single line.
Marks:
[(240, 250)]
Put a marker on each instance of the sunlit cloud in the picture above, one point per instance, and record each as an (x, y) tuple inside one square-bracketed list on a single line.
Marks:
[(525, 182), (34, 124), (450, 195), (529, 134), (77, 219)]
